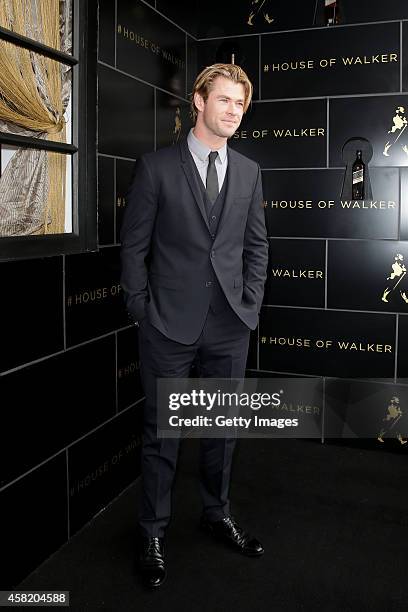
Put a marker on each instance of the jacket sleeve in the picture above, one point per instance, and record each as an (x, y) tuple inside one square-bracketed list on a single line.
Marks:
[(255, 254), (136, 234)]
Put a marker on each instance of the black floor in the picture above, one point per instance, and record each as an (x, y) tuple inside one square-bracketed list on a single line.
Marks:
[(333, 521)]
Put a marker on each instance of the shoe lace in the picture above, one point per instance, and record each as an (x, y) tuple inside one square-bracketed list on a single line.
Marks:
[(237, 532), (153, 546)]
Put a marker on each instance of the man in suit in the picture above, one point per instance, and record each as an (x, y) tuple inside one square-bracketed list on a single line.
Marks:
[(194, 260)]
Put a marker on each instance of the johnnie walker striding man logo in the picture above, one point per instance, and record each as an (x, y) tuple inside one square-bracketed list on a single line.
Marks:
[(399, 125), (177, 125), (258, 9), (396, 280), (393, 417)]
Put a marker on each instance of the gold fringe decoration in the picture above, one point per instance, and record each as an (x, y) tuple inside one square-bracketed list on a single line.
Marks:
[(20, 100)]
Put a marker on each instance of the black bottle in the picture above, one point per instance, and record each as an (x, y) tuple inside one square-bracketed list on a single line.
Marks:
[(358, 178), (331, 12)]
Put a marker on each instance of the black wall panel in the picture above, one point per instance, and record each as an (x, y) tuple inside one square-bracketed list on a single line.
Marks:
[(183, 12), (252, 361), (34, 520), (172, 119), (32, 310), (359, 409), (150, 47), (296, 273), (404, 52), (106, 200), (308, 203), (106, 31), (102, 465), (94, 301), (52, 403), (327, 343), (243, 51), (124, 171), (369, 275), (191, 69), (367, 10), (249, 17), (373, 118), (128, 368), (364, 59), (284, 134), (125, 108), (402, 371), (404, 204)]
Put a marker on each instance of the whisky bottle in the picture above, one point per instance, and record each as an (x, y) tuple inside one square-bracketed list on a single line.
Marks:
[(358, 177), (331, 12)]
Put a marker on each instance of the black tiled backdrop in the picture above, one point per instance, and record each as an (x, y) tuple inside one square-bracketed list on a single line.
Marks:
[(69, 366)]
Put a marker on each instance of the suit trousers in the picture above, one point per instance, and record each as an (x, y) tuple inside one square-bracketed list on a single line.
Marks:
[(220, 352)]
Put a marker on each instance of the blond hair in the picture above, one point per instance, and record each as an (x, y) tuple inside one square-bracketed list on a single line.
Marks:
[(204, 83)]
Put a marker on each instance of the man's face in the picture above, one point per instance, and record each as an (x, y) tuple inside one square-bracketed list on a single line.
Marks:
[(222, 111)]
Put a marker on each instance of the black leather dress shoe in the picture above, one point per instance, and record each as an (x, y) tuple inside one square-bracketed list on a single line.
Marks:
[(151, 561), (230, 532)]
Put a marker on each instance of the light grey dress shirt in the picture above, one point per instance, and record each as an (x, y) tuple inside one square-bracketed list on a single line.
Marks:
[(200, 152)]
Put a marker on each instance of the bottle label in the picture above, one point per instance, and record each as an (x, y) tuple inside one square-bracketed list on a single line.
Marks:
[(358, 176), (329, 2)]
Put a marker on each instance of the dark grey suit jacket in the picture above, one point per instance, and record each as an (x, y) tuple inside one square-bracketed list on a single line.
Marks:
[(167, 248)]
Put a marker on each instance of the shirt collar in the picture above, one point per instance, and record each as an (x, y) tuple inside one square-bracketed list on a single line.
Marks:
[(201, 150)]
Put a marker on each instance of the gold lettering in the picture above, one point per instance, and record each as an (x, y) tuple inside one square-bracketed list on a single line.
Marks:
[(368, 204), (287, 133), (368, 347), (285, 273), (92, 295), (296, 65), (291, 204), (290, 341), (150, 46), (383, 58), (131, 368)]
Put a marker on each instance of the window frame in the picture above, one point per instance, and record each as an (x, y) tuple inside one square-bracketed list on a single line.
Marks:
[(82, 151)]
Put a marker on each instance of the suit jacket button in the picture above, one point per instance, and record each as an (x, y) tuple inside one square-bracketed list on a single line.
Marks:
[(208, 283), (212, 253)]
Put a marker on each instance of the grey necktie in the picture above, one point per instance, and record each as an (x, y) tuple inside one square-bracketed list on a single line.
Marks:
[(211, 187)]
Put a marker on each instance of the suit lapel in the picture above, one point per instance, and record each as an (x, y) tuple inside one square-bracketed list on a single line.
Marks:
[(192, 179)]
